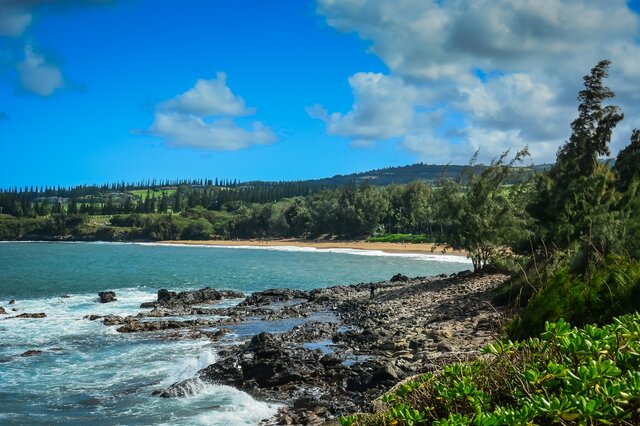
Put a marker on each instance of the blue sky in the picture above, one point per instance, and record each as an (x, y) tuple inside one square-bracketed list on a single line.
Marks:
[(95, 90)]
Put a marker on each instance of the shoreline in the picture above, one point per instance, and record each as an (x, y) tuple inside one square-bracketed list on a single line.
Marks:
[(421, 248), (353, 344)]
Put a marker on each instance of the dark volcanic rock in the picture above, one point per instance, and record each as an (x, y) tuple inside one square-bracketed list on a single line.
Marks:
[(270, 296), (118, 320), (12, 302), (92, 317), (107, 296), (399, 278), (171, 299), (2, 311), (28, 315), (31, 352), (136, 326), (165, 295), (410, 327)]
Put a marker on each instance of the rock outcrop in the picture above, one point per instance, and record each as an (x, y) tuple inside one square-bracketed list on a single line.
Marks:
[(323, 369), (171, 299), (107, 296)]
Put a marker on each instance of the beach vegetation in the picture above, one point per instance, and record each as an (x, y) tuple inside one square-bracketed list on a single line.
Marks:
[(566, 375)]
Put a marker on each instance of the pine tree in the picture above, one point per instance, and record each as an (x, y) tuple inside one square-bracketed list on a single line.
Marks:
[(627, 164)]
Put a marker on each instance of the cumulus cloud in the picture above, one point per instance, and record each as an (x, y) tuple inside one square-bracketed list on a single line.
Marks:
[(510, 68), (204, 117), (37, 75), (383, 109), (209, 98)]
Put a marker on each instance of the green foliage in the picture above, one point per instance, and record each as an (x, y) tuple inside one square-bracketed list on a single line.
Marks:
[(609, 289), (567, 376), (573, 202), (481, 216), (627, 164)]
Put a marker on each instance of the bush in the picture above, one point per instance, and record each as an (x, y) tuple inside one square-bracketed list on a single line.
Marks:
[(567, 376), (610, 289)]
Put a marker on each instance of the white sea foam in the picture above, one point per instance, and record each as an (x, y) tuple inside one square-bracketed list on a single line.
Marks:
[(187, 368), (240, 408), (448, 258)]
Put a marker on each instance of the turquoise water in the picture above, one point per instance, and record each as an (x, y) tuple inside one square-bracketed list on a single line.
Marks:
[(89, 373)]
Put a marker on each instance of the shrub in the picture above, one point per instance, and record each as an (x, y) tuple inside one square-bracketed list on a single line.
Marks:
[(610, 289), (566, 376)]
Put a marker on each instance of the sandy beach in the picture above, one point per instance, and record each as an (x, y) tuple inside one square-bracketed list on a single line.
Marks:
[(424, 248)]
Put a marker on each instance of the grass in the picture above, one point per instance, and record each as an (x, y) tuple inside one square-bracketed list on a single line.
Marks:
[(142, 193)]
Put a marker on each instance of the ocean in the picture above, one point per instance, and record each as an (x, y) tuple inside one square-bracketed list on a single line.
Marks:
[(89, 373)]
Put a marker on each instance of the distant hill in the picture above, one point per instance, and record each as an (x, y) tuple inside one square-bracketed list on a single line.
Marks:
[(397, 175)]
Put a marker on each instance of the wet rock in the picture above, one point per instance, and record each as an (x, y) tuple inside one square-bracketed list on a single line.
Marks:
[(12, 302), (107, 296), (31, 352), (171, 299), (165, 295), (270, 296), (405, 330), (117, 320), (92, 317), (31, 315), (135, 326), (65, 296), (2, 311), (399, 278)]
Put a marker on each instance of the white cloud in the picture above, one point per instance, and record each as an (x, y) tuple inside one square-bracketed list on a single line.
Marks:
[(510, 69), (383, 109), (209, 98), (203, 117), (37, 75), (180, 130)]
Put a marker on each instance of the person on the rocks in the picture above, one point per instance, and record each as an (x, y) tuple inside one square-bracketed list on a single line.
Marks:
[(372, 290)]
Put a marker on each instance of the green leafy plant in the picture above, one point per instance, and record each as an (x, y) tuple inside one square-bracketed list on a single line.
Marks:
[(569, 376)]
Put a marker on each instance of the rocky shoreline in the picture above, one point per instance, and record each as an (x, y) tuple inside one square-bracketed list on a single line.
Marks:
[(346, 345)]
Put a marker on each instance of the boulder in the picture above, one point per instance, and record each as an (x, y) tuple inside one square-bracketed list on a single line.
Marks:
[(165, 295), (31, 352), (12, 302), (385, 373), (132, 325), (171, 299), (92, 317), (107, 296), (2, 311), (399, 278), (28, 315), (270, 296)]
